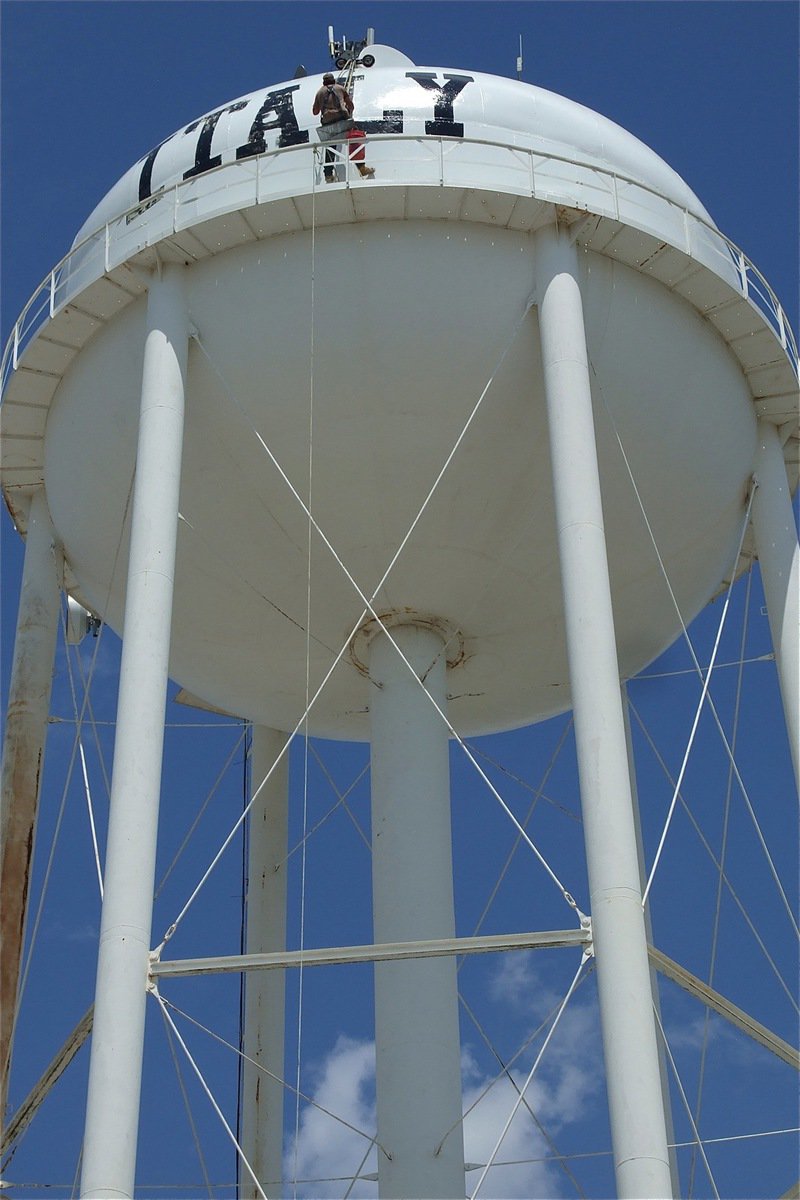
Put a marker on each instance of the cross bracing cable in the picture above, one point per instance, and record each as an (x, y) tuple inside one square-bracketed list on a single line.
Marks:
[(91, 819), (185, 1097), (172, 928), (169, 933), (738, 662), (201, 811), (270, 1074), (570, 900), (426, 501), (209, 1093), (70, 768), (86, 788), (468, 1009), (355, 1178), (722, 859), (686, 1103), (531, 1074), (77, 1175), (339, 803), (47, 874), (531, 1037), (707, 847), (537, 793), (94, 723), (387, 633), (699, 710), (770, 862), (369, 609), (310, 530), (528, 1107), (576, 1156), (698, 668), (236, 573), (342, 796)]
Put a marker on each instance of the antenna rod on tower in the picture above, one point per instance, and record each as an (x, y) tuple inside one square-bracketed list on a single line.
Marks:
[(519, 59)]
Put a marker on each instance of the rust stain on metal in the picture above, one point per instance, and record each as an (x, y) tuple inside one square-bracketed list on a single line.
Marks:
[(23, 754), (656, 252), (17, 852)]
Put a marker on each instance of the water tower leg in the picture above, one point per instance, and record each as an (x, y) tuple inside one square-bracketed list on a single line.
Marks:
[(23, 752), (779, 555), (112, 1111), (416, 1003), (648, 927), (636, 1105), (262, 1096)]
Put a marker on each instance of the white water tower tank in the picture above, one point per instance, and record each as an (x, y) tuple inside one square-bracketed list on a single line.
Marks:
[(428, 269), (372, 351)]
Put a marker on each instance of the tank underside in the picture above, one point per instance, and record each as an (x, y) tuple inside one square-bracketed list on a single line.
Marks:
[(379, 339)]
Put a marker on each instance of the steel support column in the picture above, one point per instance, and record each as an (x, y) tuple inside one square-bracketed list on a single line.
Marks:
[(636, 1106), (23, 753), (779, 555), (648, 929), (112, 1112), (264, 1006), (416, 1002)]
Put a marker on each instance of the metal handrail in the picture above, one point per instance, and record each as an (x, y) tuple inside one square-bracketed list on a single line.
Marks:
[(754, 287)]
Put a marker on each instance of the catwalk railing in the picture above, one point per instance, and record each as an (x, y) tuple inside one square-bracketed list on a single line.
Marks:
[(400, 160)]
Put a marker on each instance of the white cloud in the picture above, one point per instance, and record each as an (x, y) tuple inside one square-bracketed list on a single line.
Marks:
[(515, 981), (483, 1126), (719, 1036), (326, 1149), (566, 1083)]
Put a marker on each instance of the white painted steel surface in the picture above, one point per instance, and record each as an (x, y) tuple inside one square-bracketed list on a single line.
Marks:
[(633, 1081), (440, 254), (449, 221), (663, 1067), (496, 182), (23, 751), (265, 991), (112, 1112), (428, 341), (779, 556), (315, 956), (417, 1048), (396, 97)]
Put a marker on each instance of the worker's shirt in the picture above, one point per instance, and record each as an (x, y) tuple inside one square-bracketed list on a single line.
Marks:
[(332, 103)]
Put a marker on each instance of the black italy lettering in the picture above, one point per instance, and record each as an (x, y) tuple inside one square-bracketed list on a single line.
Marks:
[(390, 122), (146, 173), (442, 124), (203, 160), (280, 103)]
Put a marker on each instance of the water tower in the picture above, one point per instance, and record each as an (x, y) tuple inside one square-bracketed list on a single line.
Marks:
[(403, 518)]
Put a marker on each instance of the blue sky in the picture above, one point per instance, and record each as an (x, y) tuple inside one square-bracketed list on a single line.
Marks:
[(712, 87)]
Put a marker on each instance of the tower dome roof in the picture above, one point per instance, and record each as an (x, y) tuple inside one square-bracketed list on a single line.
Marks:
[(396, 96)]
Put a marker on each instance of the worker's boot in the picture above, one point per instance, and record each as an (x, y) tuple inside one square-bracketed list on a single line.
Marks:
[(366, 172)]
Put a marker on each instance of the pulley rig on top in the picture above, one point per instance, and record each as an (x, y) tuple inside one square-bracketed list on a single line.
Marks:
[(347, 55)]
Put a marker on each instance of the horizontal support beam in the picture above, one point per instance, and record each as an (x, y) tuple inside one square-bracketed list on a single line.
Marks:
[(385, 952), (742, 1020), (480, 945)]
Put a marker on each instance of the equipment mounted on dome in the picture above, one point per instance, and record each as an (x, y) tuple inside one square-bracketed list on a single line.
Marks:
[(349, 54)]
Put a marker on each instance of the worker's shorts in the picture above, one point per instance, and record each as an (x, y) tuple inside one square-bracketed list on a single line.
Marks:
[(335, 131)]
